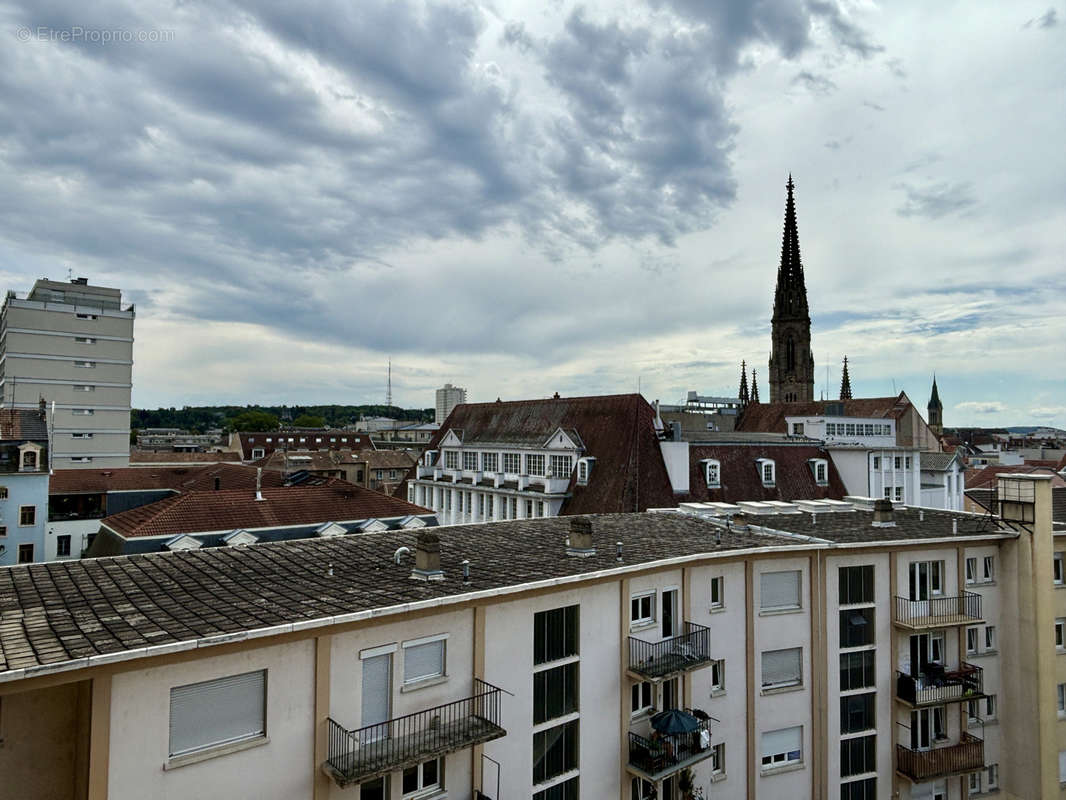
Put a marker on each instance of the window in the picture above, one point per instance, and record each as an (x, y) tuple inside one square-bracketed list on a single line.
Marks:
[(718, 592), (877, 462), (3, 530), (990, 707), (718, 759), (713, 473), (584, 466), (1060, 635), (25, 553), (86, 316), (797, 428), (897, 462), (971, 570), (376, 789), (555, 751), (555, 634), (27, 515), (217, 712), (554, 692), (766, 471), (857, 712), (858, 755), (859, 790), (1059, 571), (85, 340), (3, 493), (540, 508), (782, 668), (642, 609), (81, 459), (857, 670), (907, 462), (424, 659), (81, 436), (856, 627), (856, 585), (29, 460), (718, 675), (821, 473), (424, 776), (640, 697), (640, 789), (782, 747), (992, 777), (973, 783), (567, 790), (63, 545), (512, 462), (899, 494), (529, 509), (779, 590), (451, 459), (971, 640), (973, 712), (469, 461), (82, 412), (258, 452), (1062, 766), (988, 569), (534, 464), (490, 462), (561, 466), (84, 388), (990, 637), (85, 364)]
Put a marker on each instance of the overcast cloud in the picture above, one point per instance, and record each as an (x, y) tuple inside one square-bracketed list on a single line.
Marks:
[(525, 198)]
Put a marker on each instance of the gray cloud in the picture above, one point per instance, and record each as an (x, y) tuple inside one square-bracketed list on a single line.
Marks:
[(936, 200), (1049, 19), (815, 84)]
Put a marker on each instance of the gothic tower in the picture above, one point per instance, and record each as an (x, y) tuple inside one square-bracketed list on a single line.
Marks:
[(791, 360), (936, 411), (845, 382)]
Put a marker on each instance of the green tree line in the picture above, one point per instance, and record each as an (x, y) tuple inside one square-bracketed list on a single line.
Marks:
[(199, 419)]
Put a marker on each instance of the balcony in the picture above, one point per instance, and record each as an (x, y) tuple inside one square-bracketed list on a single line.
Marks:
[(683, 653), (941, 762), (938, 612), (375, 750), (937, 686), (667, 754)]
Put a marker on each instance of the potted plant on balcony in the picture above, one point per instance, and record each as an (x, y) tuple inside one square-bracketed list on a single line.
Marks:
[(686, 783)]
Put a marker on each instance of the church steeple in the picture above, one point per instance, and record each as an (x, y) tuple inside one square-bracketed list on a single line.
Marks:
[(791, 359), (743, 395), (845, 382), (936, 411), (754, 389)]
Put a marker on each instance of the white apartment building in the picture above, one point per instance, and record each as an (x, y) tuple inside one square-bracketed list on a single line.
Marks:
[(448, 397), (821, 651), (72, 344)]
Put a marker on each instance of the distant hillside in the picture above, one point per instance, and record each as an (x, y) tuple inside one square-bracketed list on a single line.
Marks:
[(1027, 429), (201, 418)]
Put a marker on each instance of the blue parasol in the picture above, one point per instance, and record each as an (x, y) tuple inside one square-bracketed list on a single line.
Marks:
[(674, 721)]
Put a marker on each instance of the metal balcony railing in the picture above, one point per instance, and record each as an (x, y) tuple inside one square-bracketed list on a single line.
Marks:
[(374, 750), (941, 762), (666, 754), (937, 686), (687, 651), (936, 612)]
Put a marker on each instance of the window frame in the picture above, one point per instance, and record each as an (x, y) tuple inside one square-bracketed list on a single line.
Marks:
[(636, 606), (785, 758), (786, 607), (781, 684), (718, 588), (223, 745), (440, 640), (423, 788), (22, 516)]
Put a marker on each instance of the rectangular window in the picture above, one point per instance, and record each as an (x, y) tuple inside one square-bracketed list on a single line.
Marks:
[(82, 412), (25, 553), (84, 388), (988, 569), (990, 637), (86, 316), (534, 464), (512, 463), (1062, 766), (858, 755), (973, 712), (718, 675), (555, 751), (490, 462), (849, 429), (856, 585), (81, 436), (561, 466), (897, 462), (782, 747), (554, 692), (469, 461), (567, 790), (85, 340), (63, 545), (971, 570), (797, 428), (877, 462), (529, 509), (641, 697), (992, 777), (782, 668), (856, 627), (1059, 570), (424, 777), (821, 477), (779, 590), (859, 790), (768, 474), (1060, 635), (718, 759), (899, 494), (971, 640), (27, 515), (990, 707), (217, 712), (642, 609), (85, 364), (857, 670), (555, 634), (423, 659), (717, 592), (451, 459), (857, 712)]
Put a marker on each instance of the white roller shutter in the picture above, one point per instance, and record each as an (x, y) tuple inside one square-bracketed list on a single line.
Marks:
[(217, 712), (377, 689), (780, 589), (786, 740), (1062, 766), (423, 661), (782, 667)]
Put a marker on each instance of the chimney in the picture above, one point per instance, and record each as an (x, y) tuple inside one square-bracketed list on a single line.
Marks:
[(427, 557), (739, 523), (580, 543), (259, 484), (883, 517), (43, 408)]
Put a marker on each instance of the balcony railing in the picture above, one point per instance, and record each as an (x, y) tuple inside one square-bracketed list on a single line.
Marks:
[(687, 651), (374, 750), (937, 612), (937, 686), (941, 762), (667, 754)]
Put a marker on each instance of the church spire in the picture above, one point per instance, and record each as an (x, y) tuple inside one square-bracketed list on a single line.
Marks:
[(845, 382), (754, 389), (791, 296), (743, 395), (936, 410)]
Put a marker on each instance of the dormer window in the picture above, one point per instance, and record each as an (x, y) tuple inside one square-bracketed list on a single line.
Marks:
[(820, 469), (451, 459), (767, 471), (258, 452), (797, 428), (430, 457), (712, 472), (29, 458), (584, 469)]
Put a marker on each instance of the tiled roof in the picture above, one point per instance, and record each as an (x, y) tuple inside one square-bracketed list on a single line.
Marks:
[(65, 612), (344, 439), (936, 461), (174, 457), (312, 460), (618, 430), (986, 477), (380, 459), (179, 479), (770, 417), (199, 511), (741, 480), (22, 423)]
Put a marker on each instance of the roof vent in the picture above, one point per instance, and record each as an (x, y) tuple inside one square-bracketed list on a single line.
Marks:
[(427, 558), (397, 557), (883, 517), (739, 522), (259, 484), (580, 543)]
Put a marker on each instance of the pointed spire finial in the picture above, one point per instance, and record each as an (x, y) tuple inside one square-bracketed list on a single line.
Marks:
[(743, 394), (754, 389), (845, 382)]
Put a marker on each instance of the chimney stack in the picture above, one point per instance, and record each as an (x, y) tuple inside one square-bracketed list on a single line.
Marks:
[(427, 557), (739, 523), (259, 484), (883, 517), (580, 544)]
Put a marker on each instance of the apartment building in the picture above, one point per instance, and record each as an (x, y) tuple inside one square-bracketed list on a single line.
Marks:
[(448, 397), (822, 651), (24, 488), (72, 344), (255, 445)]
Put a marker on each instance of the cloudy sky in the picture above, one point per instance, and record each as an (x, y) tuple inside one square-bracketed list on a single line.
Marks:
[(524, 198)]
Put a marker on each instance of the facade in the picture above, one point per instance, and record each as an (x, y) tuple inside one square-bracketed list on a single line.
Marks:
[(943, 480), (255, 445), (836, 652), (72, 344), (406, 435), (178, 440), (448, 397), (24, 488)]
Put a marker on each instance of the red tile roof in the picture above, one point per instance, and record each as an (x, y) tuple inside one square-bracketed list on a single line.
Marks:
[(770, 417), (179, 479), (201, 511), (741, 480), (22, 423), (151, 457), (986, 477)]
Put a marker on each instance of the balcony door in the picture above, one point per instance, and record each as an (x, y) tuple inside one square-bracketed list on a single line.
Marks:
[(669, 613), (926, 582), (377, 695), (926, 649), (927, 727)]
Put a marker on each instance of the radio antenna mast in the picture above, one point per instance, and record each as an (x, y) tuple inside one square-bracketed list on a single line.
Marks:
[(388, 385)]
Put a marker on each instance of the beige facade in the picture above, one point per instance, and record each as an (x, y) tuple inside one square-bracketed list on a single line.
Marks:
[(72, 345)]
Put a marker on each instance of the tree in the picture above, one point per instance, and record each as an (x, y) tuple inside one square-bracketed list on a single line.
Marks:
[(254, 421), (308, 421)]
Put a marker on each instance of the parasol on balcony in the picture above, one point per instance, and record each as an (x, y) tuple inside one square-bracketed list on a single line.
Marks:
[(674, 721)]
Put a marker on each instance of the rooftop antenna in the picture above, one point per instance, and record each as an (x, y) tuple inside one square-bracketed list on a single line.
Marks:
[(388, 386)]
